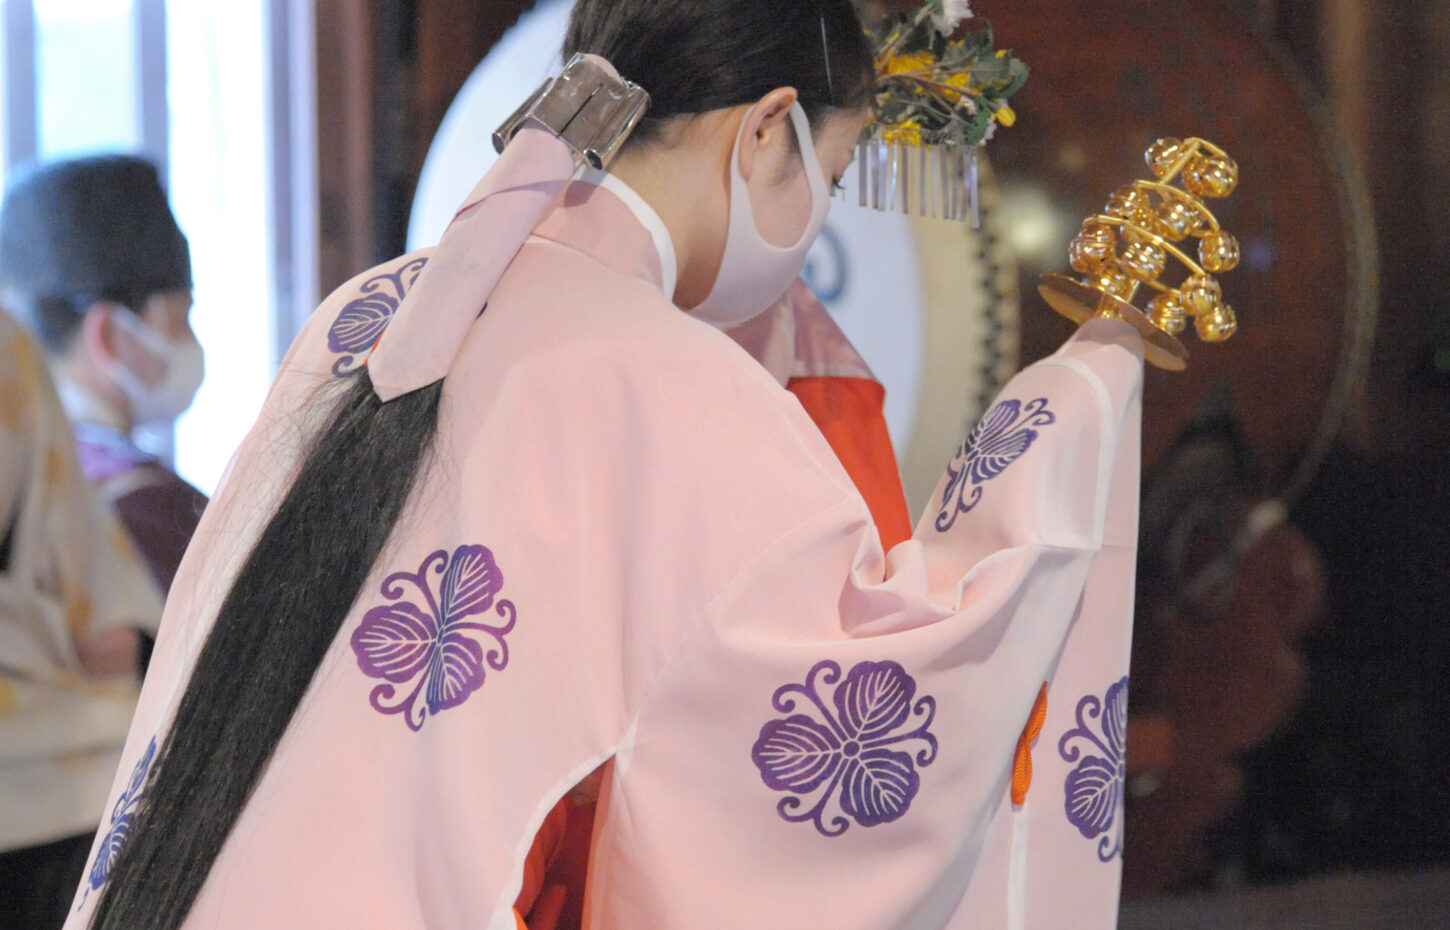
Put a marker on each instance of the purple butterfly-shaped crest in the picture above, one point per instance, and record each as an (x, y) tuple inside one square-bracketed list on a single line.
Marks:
[(1094, 789), (1003, 436), (122, 814), (357, 328), (431, 647), (812, 754)]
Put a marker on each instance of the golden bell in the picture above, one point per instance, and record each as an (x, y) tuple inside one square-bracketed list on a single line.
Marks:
[(1162, 155), (1095, 248), (1177, 220), (1211, 176), (1113, 281), (1167, 313), (1218, 251), (1133, 205), (1201, 294), (1218, 325), (1143, 260)]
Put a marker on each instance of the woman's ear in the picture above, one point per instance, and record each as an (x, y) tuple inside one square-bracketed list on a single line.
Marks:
[(770, 114)]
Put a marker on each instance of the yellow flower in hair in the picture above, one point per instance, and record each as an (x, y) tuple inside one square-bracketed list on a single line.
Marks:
[(905, 133), (907, 64), (960, 81), (931, 87)]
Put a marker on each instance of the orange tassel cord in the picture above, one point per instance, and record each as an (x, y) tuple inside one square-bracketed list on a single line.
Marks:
[(1022, 761)]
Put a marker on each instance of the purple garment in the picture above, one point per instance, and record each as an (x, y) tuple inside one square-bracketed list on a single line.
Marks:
[(159, 509)]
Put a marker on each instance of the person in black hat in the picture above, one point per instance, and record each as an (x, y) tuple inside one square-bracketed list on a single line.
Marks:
[(91, 253)]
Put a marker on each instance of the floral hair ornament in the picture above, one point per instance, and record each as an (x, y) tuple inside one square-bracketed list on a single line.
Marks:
[(939, 98)]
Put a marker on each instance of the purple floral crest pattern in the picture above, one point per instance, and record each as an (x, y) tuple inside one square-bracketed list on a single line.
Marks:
[(431, 649), (1094, 789), (121, 817), (365, 317), (813, 753), (1004, 434)]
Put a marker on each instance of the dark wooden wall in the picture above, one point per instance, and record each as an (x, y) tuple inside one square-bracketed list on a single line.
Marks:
[(1359, 779), (387, 71)]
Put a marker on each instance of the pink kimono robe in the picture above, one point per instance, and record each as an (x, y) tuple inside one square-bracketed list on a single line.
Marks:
[(632, 546)]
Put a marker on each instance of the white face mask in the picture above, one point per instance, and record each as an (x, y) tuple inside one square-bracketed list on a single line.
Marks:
[(753, 273), (184, 367)]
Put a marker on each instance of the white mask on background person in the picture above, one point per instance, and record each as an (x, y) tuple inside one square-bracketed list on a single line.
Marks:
[(754, 274), (183, 368)]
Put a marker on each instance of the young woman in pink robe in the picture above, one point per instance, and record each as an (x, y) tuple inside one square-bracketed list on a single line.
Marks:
[(510, 516)]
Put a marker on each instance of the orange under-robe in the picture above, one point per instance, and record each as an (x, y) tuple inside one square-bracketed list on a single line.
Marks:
[(849, 414)]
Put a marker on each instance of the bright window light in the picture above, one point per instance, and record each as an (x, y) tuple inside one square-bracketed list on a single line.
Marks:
[(85, 59), (218, 77)]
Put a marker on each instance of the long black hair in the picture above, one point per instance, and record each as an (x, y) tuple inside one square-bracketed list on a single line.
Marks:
[(298, 583), (699, 55)]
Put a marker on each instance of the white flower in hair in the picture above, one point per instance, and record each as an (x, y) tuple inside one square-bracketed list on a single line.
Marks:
[(953, 12)]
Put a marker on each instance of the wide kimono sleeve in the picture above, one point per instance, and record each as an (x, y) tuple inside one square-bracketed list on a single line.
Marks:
[(843, 725)]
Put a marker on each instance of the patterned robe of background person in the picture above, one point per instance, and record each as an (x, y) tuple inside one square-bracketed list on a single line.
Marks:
[(71, 590), (158, 507)]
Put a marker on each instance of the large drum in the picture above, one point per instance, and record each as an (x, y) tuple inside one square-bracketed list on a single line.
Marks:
[(1109, 78)]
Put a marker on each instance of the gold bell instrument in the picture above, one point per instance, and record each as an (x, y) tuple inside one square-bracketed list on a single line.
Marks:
[(1123, 252)]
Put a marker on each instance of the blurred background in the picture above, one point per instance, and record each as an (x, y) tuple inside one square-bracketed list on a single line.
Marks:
[(1288, 727)]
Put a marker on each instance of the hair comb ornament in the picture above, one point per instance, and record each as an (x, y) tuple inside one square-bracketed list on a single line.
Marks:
[(588, 106), (938, 100), (1125, 249)]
